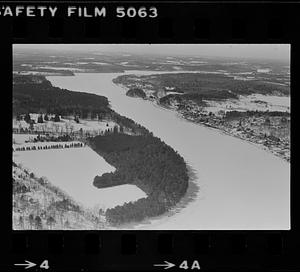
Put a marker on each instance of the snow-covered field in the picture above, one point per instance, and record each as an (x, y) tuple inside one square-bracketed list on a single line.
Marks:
[(35, 73), (22, 138), (73, 171), (252, 102), (62, 68), (65, 125)]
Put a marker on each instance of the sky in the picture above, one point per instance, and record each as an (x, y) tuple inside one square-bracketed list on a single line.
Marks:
[(257, 51)]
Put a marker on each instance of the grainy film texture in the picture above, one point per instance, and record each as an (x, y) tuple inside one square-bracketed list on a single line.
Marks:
[(146, 137)]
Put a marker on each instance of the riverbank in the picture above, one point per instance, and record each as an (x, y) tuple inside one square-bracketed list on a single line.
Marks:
[(240, 185), (190, 196), (269, 143), (256, 128), (223, 131)]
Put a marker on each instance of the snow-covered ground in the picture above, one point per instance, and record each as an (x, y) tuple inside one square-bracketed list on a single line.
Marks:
[(252, 102), (264, 70), (61, 68), (19, 139), (65, 124), (73, 171), (100, 63), (35, 73)]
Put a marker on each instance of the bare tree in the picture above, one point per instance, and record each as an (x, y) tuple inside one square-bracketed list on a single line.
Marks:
[(67, 126), (56, 127), (71, 128), (38, 222), (50, 222), (67, 224), (31, 220), (21, 222)]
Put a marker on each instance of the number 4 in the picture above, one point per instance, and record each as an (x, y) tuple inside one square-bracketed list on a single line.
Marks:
[(184, 265), (44, 264)]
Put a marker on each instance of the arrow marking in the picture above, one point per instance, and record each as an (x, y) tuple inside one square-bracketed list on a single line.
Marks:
[(27, 264), (166, 265)]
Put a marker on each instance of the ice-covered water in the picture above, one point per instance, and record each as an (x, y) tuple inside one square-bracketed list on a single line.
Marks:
[(241, 186)]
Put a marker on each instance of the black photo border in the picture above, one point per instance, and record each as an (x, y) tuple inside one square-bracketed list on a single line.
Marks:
[(186, 22)]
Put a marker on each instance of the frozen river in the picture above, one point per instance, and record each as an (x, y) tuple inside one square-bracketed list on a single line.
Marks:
[(240, 185)]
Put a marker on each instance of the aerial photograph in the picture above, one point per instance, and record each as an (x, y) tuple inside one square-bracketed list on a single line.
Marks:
[(151, 137)]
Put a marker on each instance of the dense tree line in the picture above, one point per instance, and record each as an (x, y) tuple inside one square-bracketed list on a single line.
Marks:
[(238, 114), (199, 83), (62, 138), (146, 162), (129, 123), (198, 98), (212, 86), (35, 95)]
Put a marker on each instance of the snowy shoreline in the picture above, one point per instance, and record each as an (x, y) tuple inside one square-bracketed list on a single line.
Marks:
[(229, 170), (220, 129)]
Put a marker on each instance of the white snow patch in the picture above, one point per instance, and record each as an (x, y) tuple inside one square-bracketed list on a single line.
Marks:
[(61, 68), (21, 138), (73, 170), (249, 102), (100, 63), (264, 70)]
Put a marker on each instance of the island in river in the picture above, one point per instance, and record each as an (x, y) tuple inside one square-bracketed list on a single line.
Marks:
[(136, 92), (139, 158)]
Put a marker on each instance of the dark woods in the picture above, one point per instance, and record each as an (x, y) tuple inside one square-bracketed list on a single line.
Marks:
[(146, 162), (35, 94)]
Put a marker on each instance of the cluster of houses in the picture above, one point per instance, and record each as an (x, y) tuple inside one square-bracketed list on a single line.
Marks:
[(272, 133)]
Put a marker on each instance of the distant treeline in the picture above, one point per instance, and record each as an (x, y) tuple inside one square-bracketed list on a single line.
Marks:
[(203, 83), (146, 162), (207, 86), (197, 97), (237, 114), (35, 94)]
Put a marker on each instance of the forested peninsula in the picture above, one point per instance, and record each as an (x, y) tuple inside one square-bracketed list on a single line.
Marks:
[(146, 162), (139, 158)]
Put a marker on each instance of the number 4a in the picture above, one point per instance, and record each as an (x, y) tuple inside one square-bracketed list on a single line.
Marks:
[(195, 265), (45, 264)]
